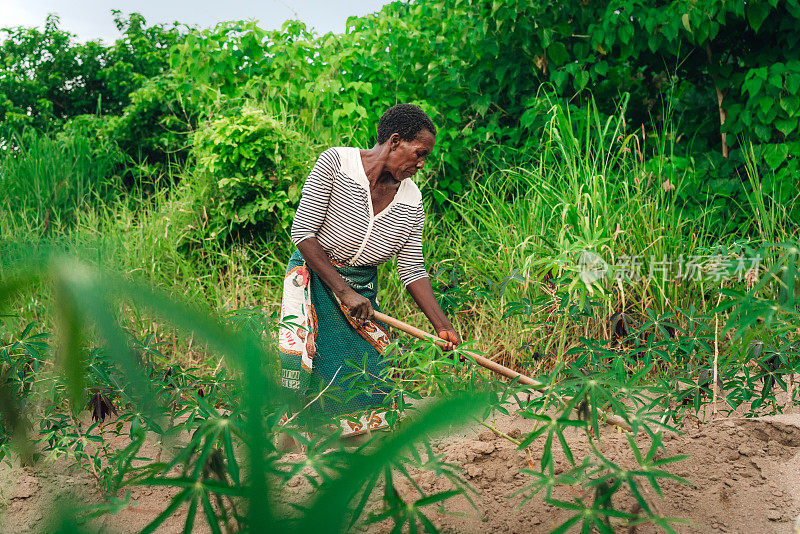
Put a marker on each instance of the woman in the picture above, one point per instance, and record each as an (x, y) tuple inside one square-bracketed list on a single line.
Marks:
[(358, 209)]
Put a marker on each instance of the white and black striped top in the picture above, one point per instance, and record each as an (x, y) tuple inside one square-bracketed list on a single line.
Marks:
[(336, 208)]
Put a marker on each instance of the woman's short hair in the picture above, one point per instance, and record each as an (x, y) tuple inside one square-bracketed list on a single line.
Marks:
[(407, 120)]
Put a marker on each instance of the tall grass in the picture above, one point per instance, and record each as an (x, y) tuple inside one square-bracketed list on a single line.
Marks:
[(150, 238), (771, 219), (45, 181), (594, 187)]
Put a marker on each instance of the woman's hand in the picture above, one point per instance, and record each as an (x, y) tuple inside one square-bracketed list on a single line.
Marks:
[(422, 293), (450, 336), (358, 306)]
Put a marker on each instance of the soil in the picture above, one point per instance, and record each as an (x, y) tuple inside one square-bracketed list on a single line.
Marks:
[(32, 497), (745, 475)]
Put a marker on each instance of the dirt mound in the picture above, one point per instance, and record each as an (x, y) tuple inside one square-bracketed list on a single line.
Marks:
[(745, 472), (745, 475)]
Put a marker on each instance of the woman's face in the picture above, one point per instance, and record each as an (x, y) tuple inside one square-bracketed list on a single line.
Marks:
[(408, 157)]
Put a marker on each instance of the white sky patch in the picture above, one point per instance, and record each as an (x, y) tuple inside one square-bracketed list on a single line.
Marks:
[(92, 19), (14, 12)]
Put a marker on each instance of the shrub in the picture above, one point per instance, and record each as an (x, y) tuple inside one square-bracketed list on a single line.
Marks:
[(254, 163), (155, 128)]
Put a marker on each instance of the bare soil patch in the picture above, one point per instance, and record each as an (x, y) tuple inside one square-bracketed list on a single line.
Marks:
[(745, 475)]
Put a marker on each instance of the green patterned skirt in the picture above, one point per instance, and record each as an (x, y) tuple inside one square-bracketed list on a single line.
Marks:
[(321, 346)]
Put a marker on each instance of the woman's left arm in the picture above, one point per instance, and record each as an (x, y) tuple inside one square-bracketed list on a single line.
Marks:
[(411, 268), (422, 293)]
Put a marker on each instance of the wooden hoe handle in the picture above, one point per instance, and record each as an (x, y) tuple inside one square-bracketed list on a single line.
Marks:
[(480, 360), (611, 419)]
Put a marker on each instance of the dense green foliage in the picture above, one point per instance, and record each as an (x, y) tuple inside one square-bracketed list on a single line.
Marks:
[(716, 77), (253, 161), (46, 77), (479, 72)]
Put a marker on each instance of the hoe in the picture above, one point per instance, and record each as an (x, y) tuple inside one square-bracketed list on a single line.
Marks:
[(535, 385)]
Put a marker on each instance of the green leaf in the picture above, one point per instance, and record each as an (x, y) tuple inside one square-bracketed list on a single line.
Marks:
[(625, 33), (211, 514), (528, 117), (559, 78), (793, 82), (188, 525), (757, 12), (775, 155), (581, 79), (436, 497), (601, 68), (752, 85), (565, 447), (790, 104), (557, 53), (178, 500), (536, 433), (566, 525), (233, 464), (786, 126), (71, 343), (763, 132), (365, 494), (765, 103)]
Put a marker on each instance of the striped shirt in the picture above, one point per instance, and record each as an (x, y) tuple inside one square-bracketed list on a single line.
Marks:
[(336, 208)]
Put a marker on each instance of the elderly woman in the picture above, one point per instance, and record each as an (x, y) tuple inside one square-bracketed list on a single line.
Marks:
[(359, 208)]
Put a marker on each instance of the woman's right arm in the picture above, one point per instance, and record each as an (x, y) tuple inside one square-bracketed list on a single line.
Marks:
[(307, 222), (318, 262)]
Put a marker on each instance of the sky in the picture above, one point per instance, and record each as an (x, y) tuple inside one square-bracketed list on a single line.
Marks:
[(92, 19)]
